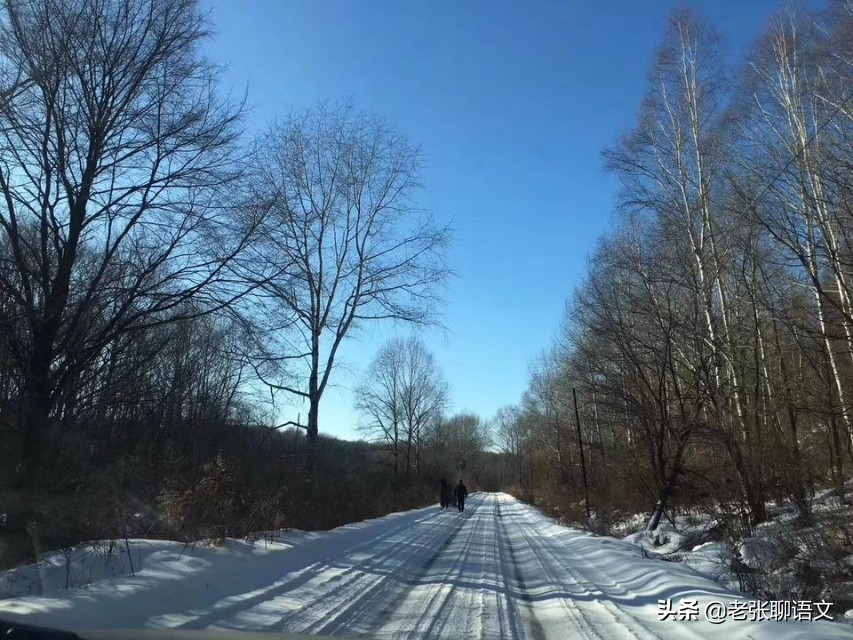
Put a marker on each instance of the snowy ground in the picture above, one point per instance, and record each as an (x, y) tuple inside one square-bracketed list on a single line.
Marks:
[(500, 570), (784, 555)]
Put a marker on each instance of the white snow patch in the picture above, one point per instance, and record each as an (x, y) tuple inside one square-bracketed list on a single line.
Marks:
[(757, 553)]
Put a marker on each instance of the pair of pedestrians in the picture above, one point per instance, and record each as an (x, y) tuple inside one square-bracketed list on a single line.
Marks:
[(459, 494)]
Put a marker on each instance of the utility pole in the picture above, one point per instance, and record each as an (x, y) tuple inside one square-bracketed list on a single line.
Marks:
[(580, 448)]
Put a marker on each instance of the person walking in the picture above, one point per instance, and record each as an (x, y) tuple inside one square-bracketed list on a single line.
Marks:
[(445, 494), (460, 492)]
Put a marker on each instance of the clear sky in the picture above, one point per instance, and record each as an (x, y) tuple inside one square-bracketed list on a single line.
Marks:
[(513, 101)]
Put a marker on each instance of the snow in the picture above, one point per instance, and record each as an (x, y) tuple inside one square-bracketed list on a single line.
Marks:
[(757, 553), (663, 541), (712, 559), (786, 556), (501, 569)]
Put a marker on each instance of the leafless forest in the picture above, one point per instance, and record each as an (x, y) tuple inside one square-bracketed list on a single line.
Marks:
[(168, 283), (710, 345), (165, 277)]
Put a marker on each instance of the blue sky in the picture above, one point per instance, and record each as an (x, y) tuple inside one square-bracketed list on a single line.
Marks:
[(512, 101)]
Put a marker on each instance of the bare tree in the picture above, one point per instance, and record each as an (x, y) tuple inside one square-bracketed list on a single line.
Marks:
[(379, 400), (640, 333), (343, 241), (468, 438), (509, 436), (114, 156), (672, 166), (798, 127), (506, 434), (547, 400), (402, 393)]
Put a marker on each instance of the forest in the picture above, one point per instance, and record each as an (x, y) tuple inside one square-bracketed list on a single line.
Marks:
[(168, 283), (709, 347)]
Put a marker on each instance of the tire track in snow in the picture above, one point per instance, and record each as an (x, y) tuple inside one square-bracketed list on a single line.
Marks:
[(474, 596), (369, 577), (581, 625), (537, 631), (470, 607), (377, 599), (546, 563), (367, 586), (580, 567), (565, 560), (443, 591)]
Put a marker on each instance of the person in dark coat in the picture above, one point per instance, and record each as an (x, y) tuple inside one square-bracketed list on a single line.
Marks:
[(460, 492), (445, 494)]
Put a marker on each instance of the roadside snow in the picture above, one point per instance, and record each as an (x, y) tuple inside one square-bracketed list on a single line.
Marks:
[(784, 559), (93, 563), (499, 570)]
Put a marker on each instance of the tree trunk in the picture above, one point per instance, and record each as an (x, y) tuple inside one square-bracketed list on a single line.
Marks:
[(519, 457), (313, 427), (35, 448), (312, 431), (396, 459), (664, 494), (408, 455), (752, 492), (801, 476), (837, 456), (36, 406), (418, 455), (755, 502)]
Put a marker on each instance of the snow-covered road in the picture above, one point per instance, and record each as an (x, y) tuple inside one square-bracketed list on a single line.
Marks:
[(499, 570)]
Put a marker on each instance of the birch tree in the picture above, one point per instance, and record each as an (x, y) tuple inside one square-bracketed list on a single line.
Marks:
[(797, 127), (672, 166)]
